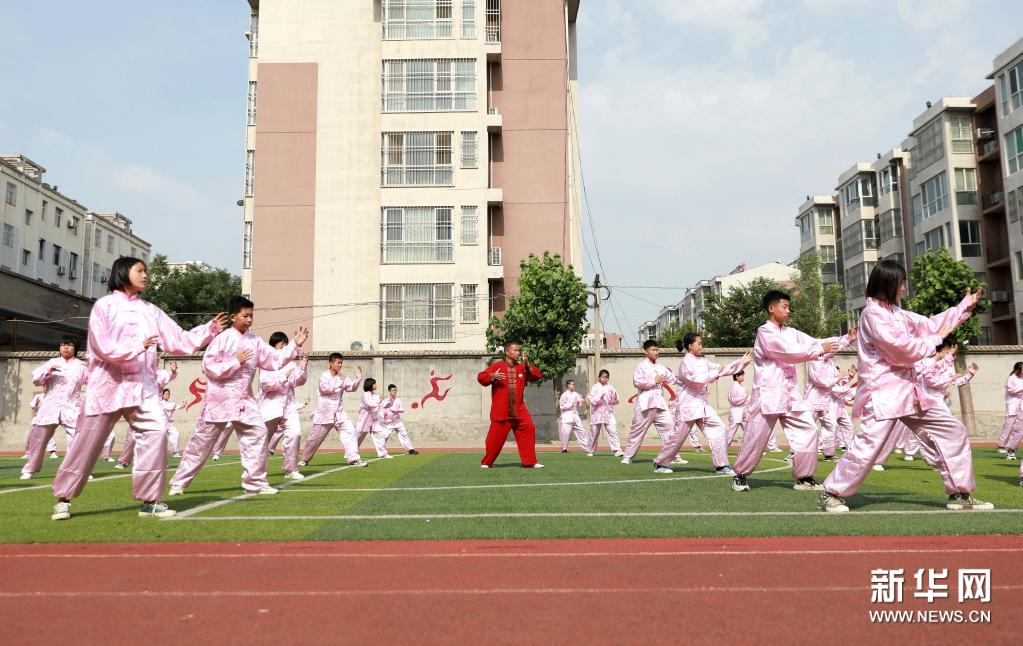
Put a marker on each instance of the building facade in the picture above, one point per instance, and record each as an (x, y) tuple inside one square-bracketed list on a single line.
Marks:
[(819, 234), (402, 158), (1007, 143)]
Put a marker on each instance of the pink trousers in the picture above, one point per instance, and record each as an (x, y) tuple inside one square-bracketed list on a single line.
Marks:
[(641, 422), (290, 429), (275, 436), (828, 436), (379, 438), (567, 427), (944, 435), (611, 429), (148, 477), (711, 426), (128, 450), (225, 437), (1003, 437), (399, 429), (800, 431), (345, 429), (1015, 434), (251, 446), (39, 437)]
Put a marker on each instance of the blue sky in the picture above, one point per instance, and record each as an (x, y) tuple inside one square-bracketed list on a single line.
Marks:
[(704, 124)]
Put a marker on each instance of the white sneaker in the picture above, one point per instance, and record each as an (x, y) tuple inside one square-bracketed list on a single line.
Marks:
[(120, 465), (267, 491), (899, 451), (110, 460), (907, 458), (1001, 449), (156, 510), (386, 457), (626, 461), (25, 457), (589, 455), (619, 454), (678, 460), (61, 511), (537, 466), (294, 475), (662, 470), (302, 463), (877, 467), (54, 456), (484, 466), (175, 490), (358, 463), (25, 476), (175, 455), (216, 456), (90, 476), (1011, 455)]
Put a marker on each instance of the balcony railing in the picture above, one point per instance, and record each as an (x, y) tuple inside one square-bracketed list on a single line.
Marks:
[(989, 147), (993, 199), (998, 251), (998, 310)]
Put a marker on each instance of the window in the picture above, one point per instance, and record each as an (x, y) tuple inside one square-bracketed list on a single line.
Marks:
[(919, 249), (99, 236), (897, 257), (962, 133), (416, 19), (1019, 267), (58, 214), (8, 236), (28, 217), (26, 257), (929, 147), (470, 228), (96, 272), (856, 279), (416, 313), (828, 259), (469, 309), (131, 253), (250, 172), (72, 265), (825, 221), (110, 243), (469, 149), (966, 185), (1013, 150), (1014, 79), (851, 196), (416, 159), (247, 246), (493, 21), (934, 195), (1012, 206), (468, 18), (969, 238), (887, 181), (870, 234), (42, 249), (891, 224), (56, 254), (42, 213), (859, 236), (429, 85), (804, 227), (867, 191), (934, 239), (254, 35), (252, 104), (416, 234), (12, 194)]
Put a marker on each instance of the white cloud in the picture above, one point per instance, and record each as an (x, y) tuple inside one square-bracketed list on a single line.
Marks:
[(740, 20)]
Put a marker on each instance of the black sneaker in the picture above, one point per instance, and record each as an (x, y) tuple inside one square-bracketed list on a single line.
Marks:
[(829, 458), (413, 452), (564, 450), (808, 484), (739, 483)]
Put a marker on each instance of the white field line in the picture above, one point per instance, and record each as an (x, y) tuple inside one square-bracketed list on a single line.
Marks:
[(188, 513), (110, 477)]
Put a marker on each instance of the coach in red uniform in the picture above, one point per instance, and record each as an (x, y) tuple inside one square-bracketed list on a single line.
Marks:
[(507, 379)]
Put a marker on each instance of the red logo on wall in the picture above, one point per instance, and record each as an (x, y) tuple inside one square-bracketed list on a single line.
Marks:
[(435, 390), (197, 388)]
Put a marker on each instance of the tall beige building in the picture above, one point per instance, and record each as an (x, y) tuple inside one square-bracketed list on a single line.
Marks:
[(402, 158), (1006, 146)]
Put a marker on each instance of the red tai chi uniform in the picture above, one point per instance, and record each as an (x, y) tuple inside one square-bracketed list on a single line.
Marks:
[(508, 411)]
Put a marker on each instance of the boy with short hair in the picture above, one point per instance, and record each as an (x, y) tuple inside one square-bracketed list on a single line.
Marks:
[(330, 413), (651, 408), (63, 378), (570, 421), (390, 420)]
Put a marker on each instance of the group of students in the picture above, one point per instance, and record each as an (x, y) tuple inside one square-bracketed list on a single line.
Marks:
[(121, 379)]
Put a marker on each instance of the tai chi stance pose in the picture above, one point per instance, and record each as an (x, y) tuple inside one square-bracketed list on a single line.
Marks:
[(277, 405), (568, 407), (507, 379), (649, 378), (390, 420), (603, 398), (330, 413), (63, 377)]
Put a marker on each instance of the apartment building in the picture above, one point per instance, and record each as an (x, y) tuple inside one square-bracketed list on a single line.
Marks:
[(1003, 150), (819, 234), (402, 158)]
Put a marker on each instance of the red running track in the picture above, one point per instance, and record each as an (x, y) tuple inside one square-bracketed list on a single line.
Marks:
[(732, 590)]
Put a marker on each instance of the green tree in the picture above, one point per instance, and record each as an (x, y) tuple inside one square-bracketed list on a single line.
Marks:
[(192, 295), (732, 321), (940, 282), (674, 333), (548, 316), (817, 309)]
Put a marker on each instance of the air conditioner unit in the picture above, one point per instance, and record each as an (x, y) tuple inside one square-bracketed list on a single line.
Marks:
[(359, 346), (985, 133), (61, 271), (73, 275), (999, 297), (72, 222), (493, 111), (495, 256)]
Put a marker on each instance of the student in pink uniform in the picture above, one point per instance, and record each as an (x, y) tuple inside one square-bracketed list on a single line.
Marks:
[(169, 408), (1013, 398), (62, 377), (694, 376), (841, 396), (776, 397), (891, 341), (737, 400), (124, 331), (163, 377), (650, 378), (276, 401), (390, 420), (278, 435), (225, 437), (569, 422), (603, 398), (821, 376), (330, 413), (368, 421), (51, 446), (230, 364)]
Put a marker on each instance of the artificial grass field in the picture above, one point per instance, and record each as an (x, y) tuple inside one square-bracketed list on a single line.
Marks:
[(443, 484)]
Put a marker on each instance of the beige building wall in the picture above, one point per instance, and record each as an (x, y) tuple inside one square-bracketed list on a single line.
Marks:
[(1009, 108)]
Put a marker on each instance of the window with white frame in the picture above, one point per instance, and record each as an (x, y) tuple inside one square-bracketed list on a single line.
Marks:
[(828, 259), (9, 235), (12, 194), (969, 238), (26, 257), (416, 159), (247, 246), (856, 279), (28, 217), (852, 239), (429, 85), (867, 191), (966, 185), (416, 313), (870, 234), (470, 147), (254, 35), (250, 172), (885, 181), (416, 234), (131, 252), (468, 18), (851, 195), (825, 221), (1013, 78), (252, 104), (929, 146), (1003, 91), (470, 226), (962, 133), (416, 19), (110, 243), (934, 195), (891, 224), (1014, 150), (493, 16), (58, 216), (934, 239), (469, 308)]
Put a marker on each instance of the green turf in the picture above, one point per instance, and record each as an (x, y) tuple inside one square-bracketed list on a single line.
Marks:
[(106, 512)]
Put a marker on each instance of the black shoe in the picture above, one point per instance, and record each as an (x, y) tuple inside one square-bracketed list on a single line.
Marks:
[(829, 458), (564, 450), (739, 483), (413, 452)]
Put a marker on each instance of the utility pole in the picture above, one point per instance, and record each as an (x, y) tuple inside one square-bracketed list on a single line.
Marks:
[(599, 293)]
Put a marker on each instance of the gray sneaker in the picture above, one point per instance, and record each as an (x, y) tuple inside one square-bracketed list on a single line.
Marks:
[(659, 469), (807, 484), (61, 511), (966, 502), (831, 503), (156, 510)]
